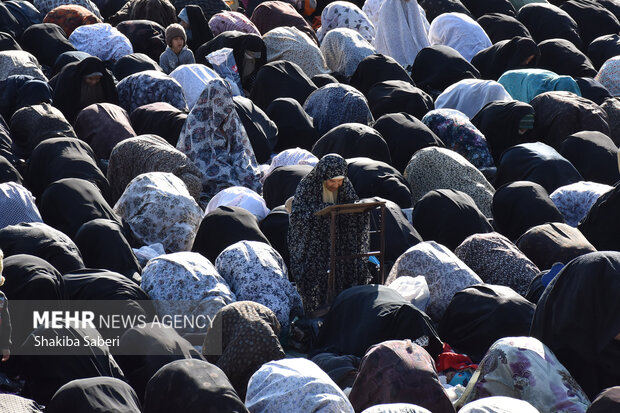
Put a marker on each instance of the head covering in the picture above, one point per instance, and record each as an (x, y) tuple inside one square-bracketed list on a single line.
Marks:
[(70, 16), (262, 131), (470, 95), (608, 75), (498, 261), (47, 41), (603, 48), (19, 62), (290, 157), (281, 79), (158, 11), (401, 30), (593, 19), (343, 14), (351, 140), (499, 26), (231, 21), (437, 67), (374, 178), (150, 153), (232, 224), (240, 197), (17, 205), (43, 241), (546, 21), (344, 49), (102, 126), (563, 57), (295, 126), (535, 162), (607, 401), (175, 30), (271, 14), (594, 155), (555, 242), (158, 208), (601, 222), (185, 283), (308, 235), (95, 394), (290, 44), (45, 6), (377, 68), (526, 84), (480, 314), (593, 90), (335, 104), (525, 369), (68, 203), (506, 55), (146, 37), (498, 404), (460, 32), (148, 87), (441, 168), (500, 123), (159, 118), (592, 351), (17, 404), (575, 200), (443, 271), (195, 384), (193, 78), (395, 96), (21, 91), (215, 140), (243, 336), (281, 184), (101, 40), (458, 133), (292, 384), (399, 371)]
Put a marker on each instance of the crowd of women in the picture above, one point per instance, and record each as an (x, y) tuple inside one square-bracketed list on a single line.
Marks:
[(488, 128)]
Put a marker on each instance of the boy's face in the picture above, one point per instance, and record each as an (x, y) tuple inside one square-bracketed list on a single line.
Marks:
[(177, 44)]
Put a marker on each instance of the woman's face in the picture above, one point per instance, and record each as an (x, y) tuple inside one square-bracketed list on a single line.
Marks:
[(332, 185), (92, 80)]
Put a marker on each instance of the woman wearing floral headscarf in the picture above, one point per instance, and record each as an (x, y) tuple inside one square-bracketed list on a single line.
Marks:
[(308, 235)]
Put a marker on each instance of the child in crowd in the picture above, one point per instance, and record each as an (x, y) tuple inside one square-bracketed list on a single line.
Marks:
[(177, 53), (5, 320)]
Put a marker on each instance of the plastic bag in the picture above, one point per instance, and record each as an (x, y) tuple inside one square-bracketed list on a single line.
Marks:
[(223, 62)]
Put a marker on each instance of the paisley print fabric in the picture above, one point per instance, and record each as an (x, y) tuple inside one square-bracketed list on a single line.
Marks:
[(231, 21), (240, 197), (19, 62), (45, 6), (214, 139), (185, 283), (497, 261), (244, 335), (256, 272), (344, 49), (344, 14), (101, 40), (159, 209), (17, 205), (150, 153), (525, 369), (193, 78), (294, 385), (460, 135), (441, 168), (309, 235), (291, 44), (147, 87), (335, 104), (609, 75), (444, 272), (575, 200), (70, 17)]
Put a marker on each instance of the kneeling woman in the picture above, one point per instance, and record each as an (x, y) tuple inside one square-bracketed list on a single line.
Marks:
[(309, 235)]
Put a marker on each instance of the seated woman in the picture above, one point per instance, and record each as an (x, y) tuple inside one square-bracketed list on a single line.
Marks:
[(309, 239)]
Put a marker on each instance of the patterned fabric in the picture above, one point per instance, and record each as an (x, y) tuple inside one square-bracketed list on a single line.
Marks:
[(214, 139), (101, 40), (335, 104), (242, 197), (498, 404), (460, 135), (16, 404), (445, 273), (256, 272), (371, 8), (399, 371), (294, 385), (231, 21), (344, 14), (294, 156), (441, 168), (245, 336), (17, 205), (309, 235), (402, 30), (193, 78), (575, 200), (609, 75), (19, 62), (396, 408), (45, 6), (70, 17), (525, 369), (150, 153), (344, 49), (158, 208), (185, 283), (497, 261), (291, 44), (147, 87), (460, 32), (471, 95)]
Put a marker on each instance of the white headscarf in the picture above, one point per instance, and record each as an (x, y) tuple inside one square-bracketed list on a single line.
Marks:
[(241, 197), (17, 205), (344, 49), (402, 30), (471, 95), (193, 79), (460, 32), (291, 44)]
